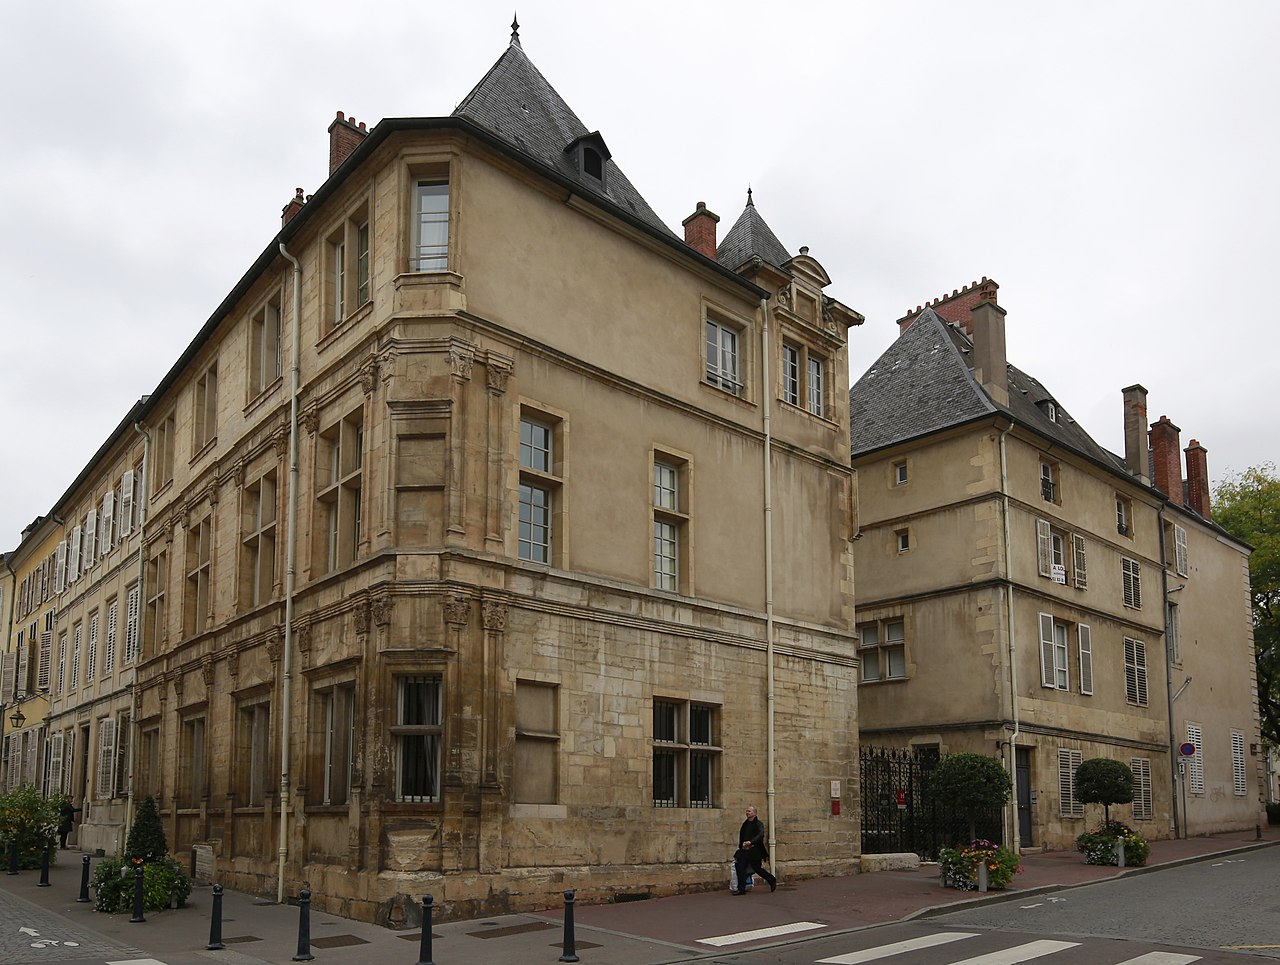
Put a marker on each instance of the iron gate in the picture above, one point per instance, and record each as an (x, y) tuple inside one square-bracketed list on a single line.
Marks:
[(897, 812)]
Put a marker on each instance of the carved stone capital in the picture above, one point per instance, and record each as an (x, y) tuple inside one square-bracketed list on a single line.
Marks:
[(274, 647), (206, 671), (495, 616), (387, 365), (369, 376), (360, 616), (461, 356), (175, 678), (383, 606), (236, 476), (309, 418), (457, 610), (233, 663), (497, 371), (280, 441)]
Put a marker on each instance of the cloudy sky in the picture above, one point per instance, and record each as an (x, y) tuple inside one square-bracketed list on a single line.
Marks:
[(1114, 166)]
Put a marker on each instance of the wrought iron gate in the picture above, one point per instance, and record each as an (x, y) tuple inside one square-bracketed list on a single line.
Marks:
[(897, 812)]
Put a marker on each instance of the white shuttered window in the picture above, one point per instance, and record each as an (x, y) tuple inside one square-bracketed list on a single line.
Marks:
[(106, 757), (1239, 786), (1195, 763), (1142, 808), (1135, 671), (1068, 762)]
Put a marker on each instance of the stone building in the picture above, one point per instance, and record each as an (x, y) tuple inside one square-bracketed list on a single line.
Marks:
[(1015, 580), (491, 538)]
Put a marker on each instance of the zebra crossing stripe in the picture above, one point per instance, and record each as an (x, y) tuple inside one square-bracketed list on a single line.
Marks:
[(759, 933), (1019, 953), (1161, 958), (897, 948)]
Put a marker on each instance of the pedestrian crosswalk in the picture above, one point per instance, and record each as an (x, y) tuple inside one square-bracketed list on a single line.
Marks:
[(1013, 955)]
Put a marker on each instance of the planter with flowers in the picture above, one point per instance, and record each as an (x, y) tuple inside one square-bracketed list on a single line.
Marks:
[(959, 867), (1099, 845)]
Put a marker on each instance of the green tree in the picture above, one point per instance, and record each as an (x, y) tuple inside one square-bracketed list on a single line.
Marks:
[(1101, 780), (971, 784), (146, 838), (1247, 505)]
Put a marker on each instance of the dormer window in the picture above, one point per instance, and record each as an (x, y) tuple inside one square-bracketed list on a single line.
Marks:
[(1049, 409), (588, 153)]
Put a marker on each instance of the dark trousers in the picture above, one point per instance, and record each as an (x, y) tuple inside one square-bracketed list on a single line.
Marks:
[(62, 836), (747, 863)]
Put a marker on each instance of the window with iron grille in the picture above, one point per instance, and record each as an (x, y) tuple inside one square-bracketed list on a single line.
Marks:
[(686, 754), (416, 735)]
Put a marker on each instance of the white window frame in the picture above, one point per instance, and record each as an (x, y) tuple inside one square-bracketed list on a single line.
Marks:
[(1055, 674), (1181, 563), (429, 254), (1084, 639), (879, 642), (724, 356), (790, 374)]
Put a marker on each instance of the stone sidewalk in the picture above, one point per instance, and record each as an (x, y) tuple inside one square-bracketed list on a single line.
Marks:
[(661, 930)]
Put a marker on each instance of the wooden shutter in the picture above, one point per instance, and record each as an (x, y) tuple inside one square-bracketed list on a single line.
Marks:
[(55, 763), (1237, 763), (126, 503), (73, 555), (1141, 767), (106, 756), (90, 538), (91, 654), (109, 650), (108, 517), (1078, 564), (1086, 659), (131, 625), (60, 567), (1135, 671), (8, 674), (1044, 548), (46, 653), (1195, 765), (1068, 762), (1131, 571), (1180, 550), (20, 684), (1048, 678)]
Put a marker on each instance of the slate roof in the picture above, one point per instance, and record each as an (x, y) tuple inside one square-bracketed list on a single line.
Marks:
[(924, 383), (516, 103), (749, 237)]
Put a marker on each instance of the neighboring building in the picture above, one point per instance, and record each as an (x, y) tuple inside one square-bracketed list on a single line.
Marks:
[(29, 609), (509, 527), (1012, 578)]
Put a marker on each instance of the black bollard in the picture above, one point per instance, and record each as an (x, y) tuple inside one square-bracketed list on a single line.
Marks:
[(424, 948), (570, 946), (44, 867), (137, 895), (1257, 832), (84, 879), (13, 856), (215, 921), (304, 928)]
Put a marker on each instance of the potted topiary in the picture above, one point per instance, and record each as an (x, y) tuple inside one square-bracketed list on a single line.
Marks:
[(164, 883), (973, 784)]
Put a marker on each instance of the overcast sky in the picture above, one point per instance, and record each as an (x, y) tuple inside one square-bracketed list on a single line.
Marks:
[(1114, 166)]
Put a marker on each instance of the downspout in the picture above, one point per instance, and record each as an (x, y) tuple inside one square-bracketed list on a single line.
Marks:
[(1015, 837), (144, 496), (767, 394), (8, 639), (1168, 685), (290, 565)]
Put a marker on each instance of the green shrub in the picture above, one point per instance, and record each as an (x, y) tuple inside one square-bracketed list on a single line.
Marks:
[(959, 866), (1099, 845), (113, 885), (146, 834), (32, 820)]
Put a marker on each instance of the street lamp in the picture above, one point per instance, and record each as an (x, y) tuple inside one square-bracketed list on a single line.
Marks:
[(17, 718)]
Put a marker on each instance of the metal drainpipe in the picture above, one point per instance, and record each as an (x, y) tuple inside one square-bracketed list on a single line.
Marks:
[(1013, 648), (1168, 684), (144, 495), (290, 565), (766, 394)]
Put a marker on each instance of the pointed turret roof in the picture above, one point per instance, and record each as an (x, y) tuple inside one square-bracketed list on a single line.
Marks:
[(515, 103), (750, 237)]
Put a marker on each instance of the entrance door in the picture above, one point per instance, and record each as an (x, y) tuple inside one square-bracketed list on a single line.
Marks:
[(1024, 796)]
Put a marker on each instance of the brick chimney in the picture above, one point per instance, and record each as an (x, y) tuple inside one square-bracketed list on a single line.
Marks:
[(1136, 458), (990, 364), (292, 208), (955, 307), (344, 137), (1167, 459), (1198, 479), (700, 231)]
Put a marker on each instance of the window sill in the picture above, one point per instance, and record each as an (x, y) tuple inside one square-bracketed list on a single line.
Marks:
[(349, 322), (203, 451), (266, 393), (885, 680), (739, 397)]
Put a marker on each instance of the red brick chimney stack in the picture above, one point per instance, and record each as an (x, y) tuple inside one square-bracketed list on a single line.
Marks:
[(1136, 458), (1167, 457), (292, 208), (344, 137), (1198, 479), (700, 231), (956, 307)]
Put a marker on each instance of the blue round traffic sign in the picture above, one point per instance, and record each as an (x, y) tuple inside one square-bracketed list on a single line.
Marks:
[(1187, 749)]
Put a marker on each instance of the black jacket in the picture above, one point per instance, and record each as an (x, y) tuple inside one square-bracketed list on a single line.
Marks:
[(753, 831)]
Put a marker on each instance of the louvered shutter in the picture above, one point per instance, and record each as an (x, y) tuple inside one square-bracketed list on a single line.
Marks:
[(131, 625), (126, 503), (1140, 661), (1086, 659), (60, 564), (1068, 762), (1081, 577), (1180, 550), (46, 653), (1048, 678), (55, 764), (106, 756), (73, 556), (1237, 764), (109, 650), (1130, 673), (8, 674), (1195, 765), (1044, 548), (1141, 767), (90, 538), (108, 518), (20, 684), (91, 654)]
